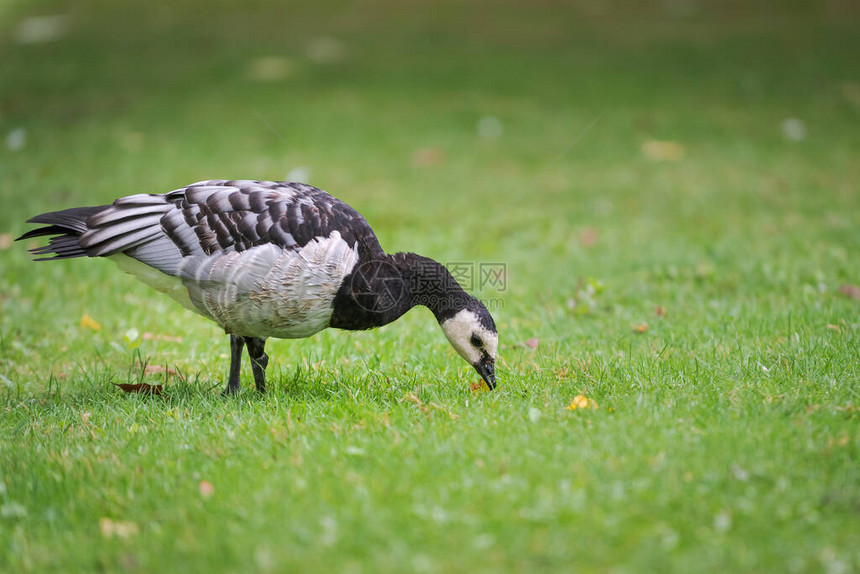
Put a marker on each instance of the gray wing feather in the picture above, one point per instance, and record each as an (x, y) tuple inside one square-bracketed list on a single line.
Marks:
[(140, 199), (219, 217), (114, 215), (160, 253)]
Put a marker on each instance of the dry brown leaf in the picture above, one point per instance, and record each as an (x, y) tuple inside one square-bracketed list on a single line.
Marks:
[(851, 91), (428, 157), (206, 489), (850, 291), (640, 329), (445, 410), (141, 388), (532, 343), (588, 237), (325, 50), (660, 311), (848, 409), (159, 337), (117, 528), (158, 369), (412, 398), (836, 328), (130, 141)]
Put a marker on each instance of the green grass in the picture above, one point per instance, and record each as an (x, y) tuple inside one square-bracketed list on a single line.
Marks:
[(727, 434)]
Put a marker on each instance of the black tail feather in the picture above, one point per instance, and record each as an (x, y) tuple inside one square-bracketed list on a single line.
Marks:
[(64, 247), (74, 219), (42, 231), (67, 225)]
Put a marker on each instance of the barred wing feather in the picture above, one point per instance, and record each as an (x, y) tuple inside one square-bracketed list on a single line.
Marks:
[(219, 216)]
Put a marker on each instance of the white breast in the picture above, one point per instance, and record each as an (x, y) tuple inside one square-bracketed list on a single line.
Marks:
[(264, 291)]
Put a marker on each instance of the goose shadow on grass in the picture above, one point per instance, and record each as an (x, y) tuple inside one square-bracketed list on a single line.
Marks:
[(383, 388)]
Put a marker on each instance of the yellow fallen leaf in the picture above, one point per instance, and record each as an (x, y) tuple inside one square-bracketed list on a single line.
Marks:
[(479, 387), (325, 50), (640, 329), (117, 528), (270, 68), (658, 150), (88, 322), (581, 402)]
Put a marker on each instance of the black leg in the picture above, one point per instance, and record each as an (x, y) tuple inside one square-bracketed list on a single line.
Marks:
[(233, 384), (259, 360)]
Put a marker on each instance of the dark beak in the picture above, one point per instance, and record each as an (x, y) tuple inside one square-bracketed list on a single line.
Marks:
[(487, 369)]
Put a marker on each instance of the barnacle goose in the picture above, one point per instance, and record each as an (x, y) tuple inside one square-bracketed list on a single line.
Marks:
[(269, 259)]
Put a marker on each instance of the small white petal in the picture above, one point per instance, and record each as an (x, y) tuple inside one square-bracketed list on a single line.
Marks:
[(300, 174), (490, 128), (16, 139), (40, 29), (325, 50), (794, 129)]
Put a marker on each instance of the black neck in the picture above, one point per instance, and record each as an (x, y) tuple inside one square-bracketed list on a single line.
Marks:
[(382, 289)]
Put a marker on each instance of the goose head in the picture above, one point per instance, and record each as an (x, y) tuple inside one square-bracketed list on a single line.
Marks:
[(472, 332)]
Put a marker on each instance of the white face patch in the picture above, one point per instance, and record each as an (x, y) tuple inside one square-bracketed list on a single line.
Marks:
[(459, 330)]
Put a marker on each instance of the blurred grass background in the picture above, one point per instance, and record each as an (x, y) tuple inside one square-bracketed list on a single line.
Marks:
[(618, 157)]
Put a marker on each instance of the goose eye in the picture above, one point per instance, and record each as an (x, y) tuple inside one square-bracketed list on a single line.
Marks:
[(476, 341)]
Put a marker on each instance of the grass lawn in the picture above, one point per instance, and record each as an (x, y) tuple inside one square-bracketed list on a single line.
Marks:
[(673, 190)]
